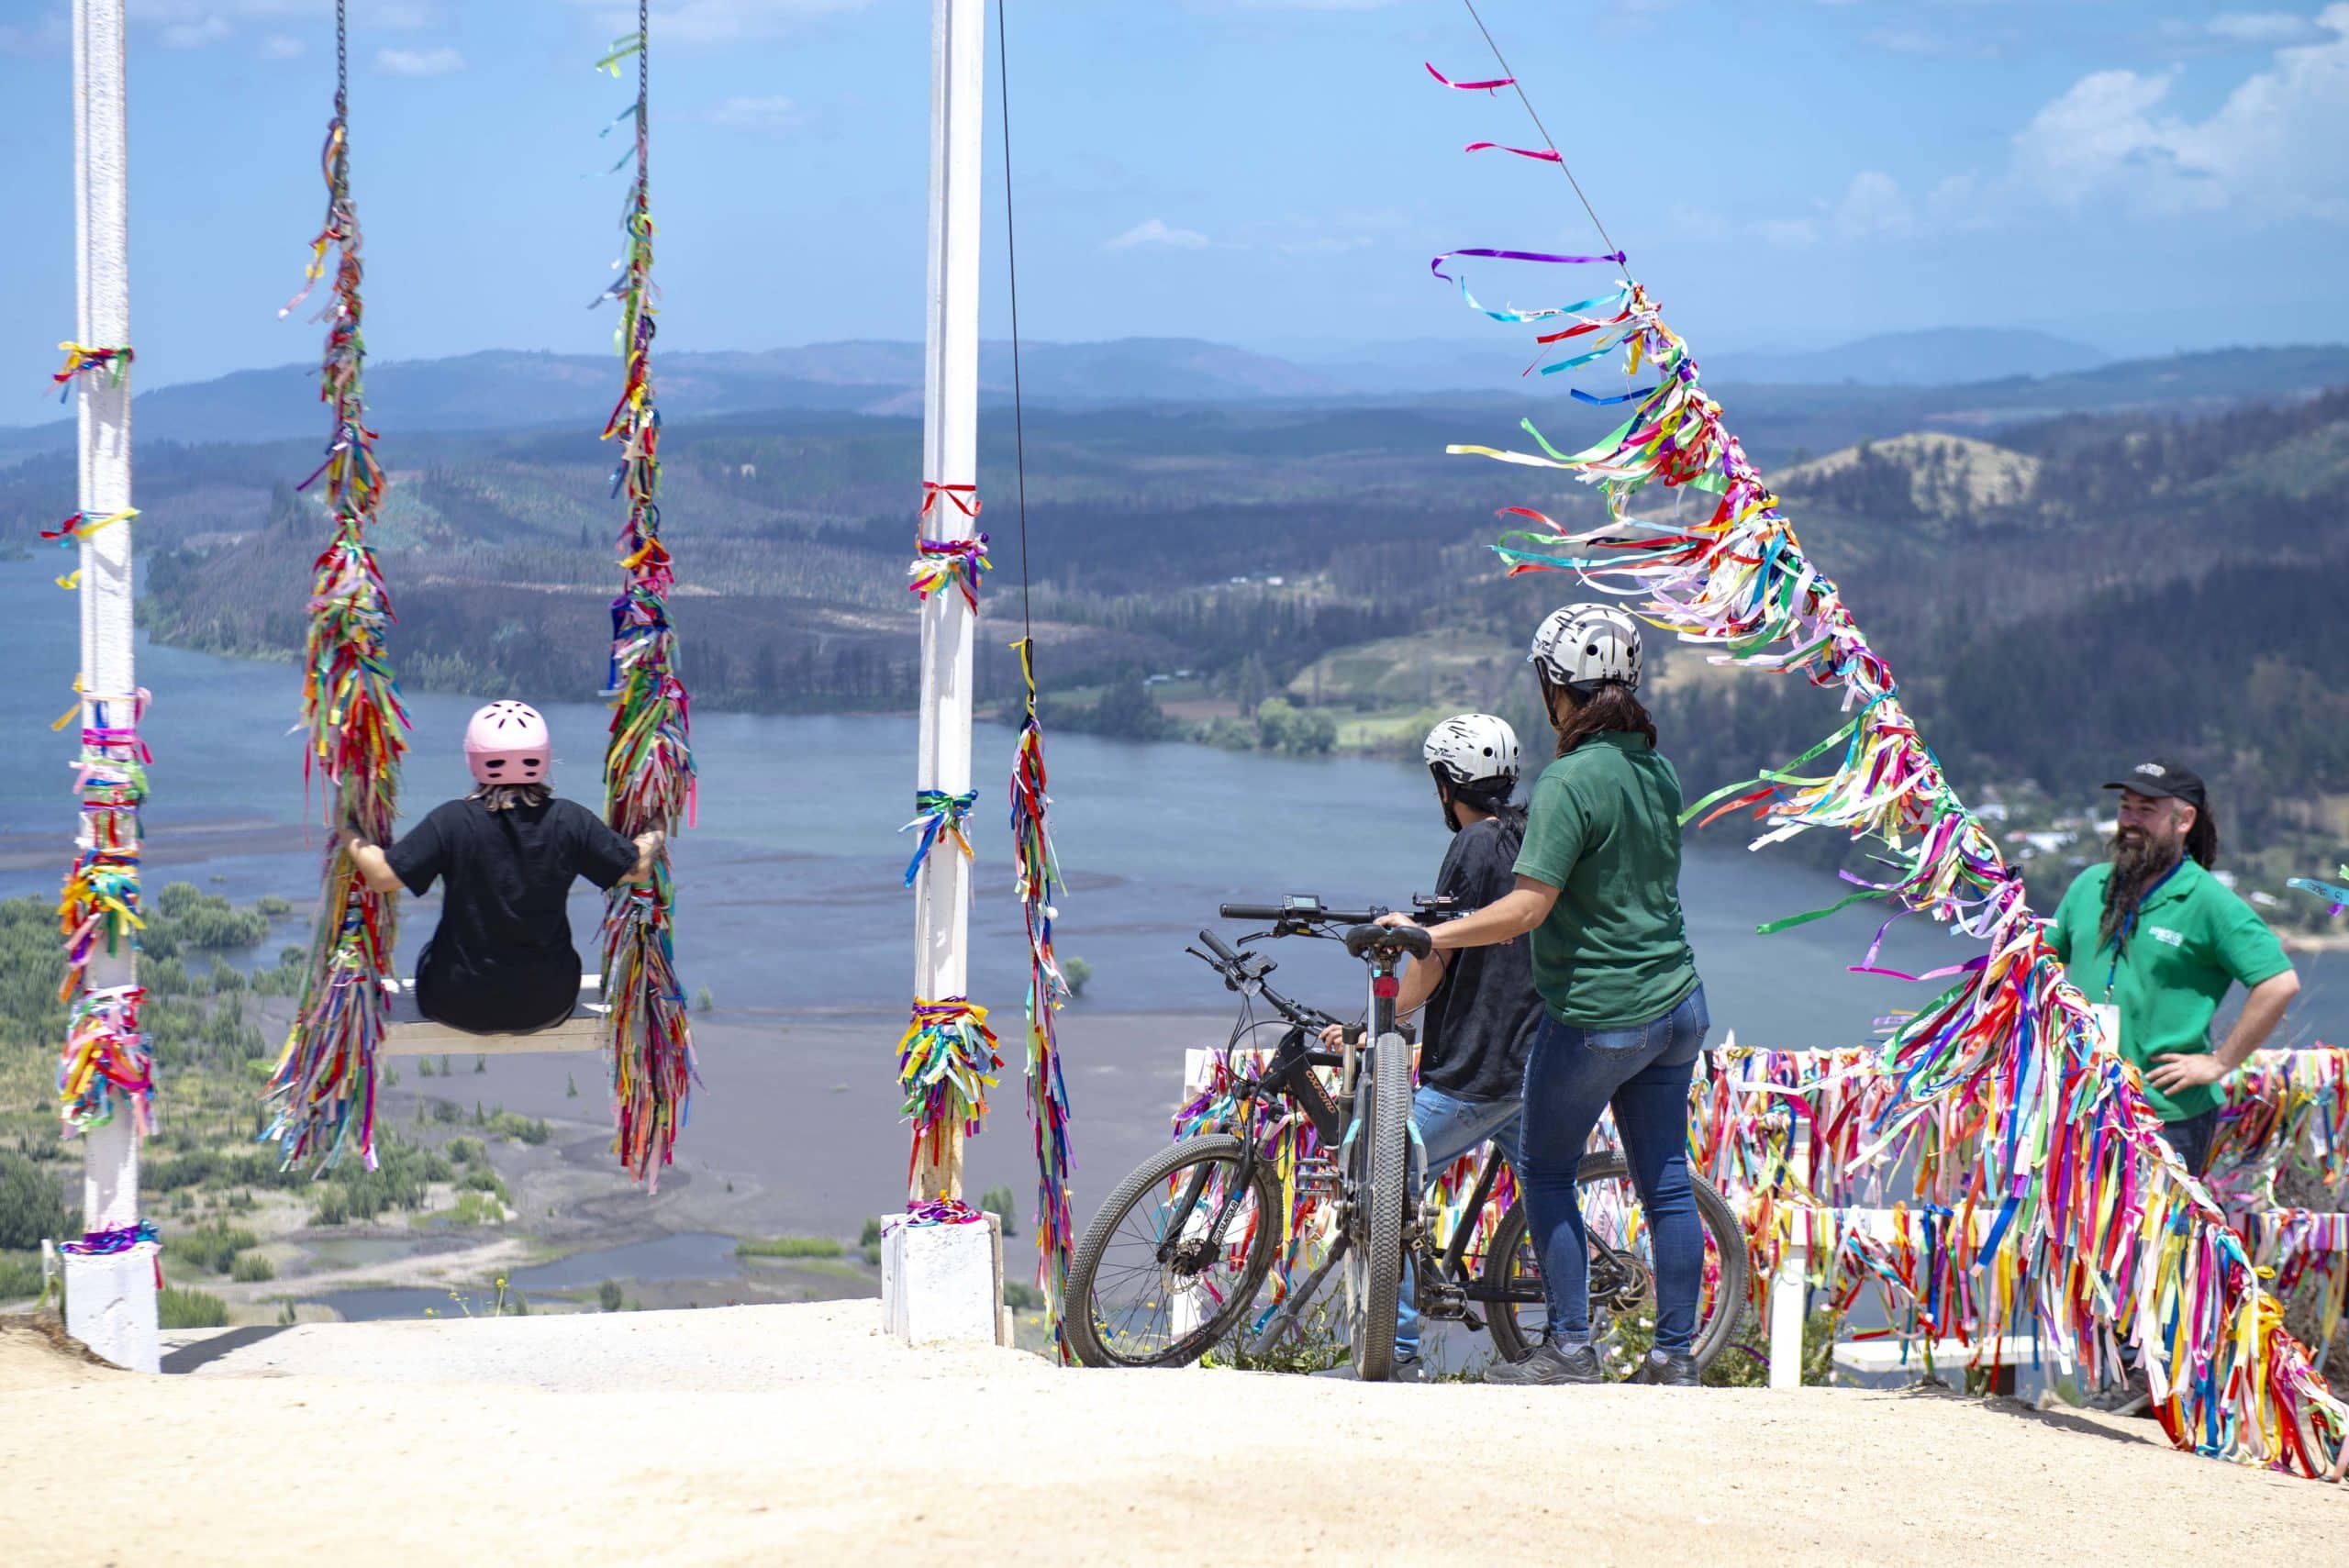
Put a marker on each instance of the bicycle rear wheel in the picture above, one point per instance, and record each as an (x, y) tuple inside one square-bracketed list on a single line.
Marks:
[(1174, 1257), (1517, 1315), (1375, 1263)]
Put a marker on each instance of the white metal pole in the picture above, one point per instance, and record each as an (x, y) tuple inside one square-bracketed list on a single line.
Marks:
[(1788, 1287), (111, 1301), (949, 457)]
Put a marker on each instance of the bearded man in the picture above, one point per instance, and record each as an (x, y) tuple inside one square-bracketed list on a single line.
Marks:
[(2155, 936)]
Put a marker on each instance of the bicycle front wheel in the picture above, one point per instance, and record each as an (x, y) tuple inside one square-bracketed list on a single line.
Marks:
[(1175, 1255), (1519, 1315), (1382, 1163)]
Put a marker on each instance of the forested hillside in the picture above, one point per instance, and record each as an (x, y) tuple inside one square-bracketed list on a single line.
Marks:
[(2057, 595)]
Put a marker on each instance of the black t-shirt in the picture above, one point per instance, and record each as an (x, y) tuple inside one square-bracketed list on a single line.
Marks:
[(1478, 1024), (501, 960)]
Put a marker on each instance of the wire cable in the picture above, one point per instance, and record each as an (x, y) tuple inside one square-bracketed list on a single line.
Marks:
[(1547, 140), (1011, 258)]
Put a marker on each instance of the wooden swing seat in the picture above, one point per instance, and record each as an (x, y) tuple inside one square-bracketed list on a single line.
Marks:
[(410, 1033)]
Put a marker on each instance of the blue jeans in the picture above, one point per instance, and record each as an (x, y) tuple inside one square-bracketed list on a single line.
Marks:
[(1447, 1129), (1574, 1074)]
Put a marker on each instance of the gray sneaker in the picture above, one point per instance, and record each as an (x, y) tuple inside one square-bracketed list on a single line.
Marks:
[(1672, 1369), (1549, 1365)]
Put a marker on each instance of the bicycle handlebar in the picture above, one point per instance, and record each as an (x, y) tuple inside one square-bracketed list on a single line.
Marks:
[(1311, 912)]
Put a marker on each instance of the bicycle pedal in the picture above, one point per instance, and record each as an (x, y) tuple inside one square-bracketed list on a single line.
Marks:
[(1441, 1300)]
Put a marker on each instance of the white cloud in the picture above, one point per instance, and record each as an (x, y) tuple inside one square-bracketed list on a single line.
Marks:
[(1154, 232), (773, 112), (2266, 29), (437, 61), (197, 34), (196, 24), (1905, 40), (2279, 145), (688, 22), (1788, 230), (1873, 205)]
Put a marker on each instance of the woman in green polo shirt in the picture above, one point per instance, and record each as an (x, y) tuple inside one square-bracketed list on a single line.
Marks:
[(1598, 886)]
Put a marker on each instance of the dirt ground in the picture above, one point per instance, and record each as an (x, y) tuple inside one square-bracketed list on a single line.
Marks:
[(768, 1434)]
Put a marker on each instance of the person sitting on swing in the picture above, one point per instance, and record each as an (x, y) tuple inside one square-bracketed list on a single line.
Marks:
[(501, 962)]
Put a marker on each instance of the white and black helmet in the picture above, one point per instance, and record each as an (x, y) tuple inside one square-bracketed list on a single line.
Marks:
[(1581, 645), (1470, 748)]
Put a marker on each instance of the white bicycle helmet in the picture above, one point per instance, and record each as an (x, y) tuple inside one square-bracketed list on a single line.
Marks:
[(1581, 645), (1471, 747)]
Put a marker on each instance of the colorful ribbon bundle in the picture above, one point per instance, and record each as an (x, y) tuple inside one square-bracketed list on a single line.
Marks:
[(650, 785), (100, 906), (2282, 1107), (81, 525), (1289, 1140), (2308, 1255), (939, 816), (2090, 1207), (934, 1211), (946, 1064), (942, 561), (106, 1243), (122, 1238), (351, 706), (1036, 873), (109, 364), (105, 1055), (106, 1061)]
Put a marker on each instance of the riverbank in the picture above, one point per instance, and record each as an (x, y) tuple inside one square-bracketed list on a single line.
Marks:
[(800, 1433), (805, 1141)]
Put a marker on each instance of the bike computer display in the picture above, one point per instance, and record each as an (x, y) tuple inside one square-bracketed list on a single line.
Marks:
[(1301, 904)]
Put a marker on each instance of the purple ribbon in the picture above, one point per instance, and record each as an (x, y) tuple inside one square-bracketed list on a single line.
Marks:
[(1436, 266)]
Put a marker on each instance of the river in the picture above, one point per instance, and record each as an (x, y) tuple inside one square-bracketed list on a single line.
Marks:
[(791, 899)]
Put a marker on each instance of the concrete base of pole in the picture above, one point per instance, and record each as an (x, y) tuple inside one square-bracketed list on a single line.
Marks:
[(944, 1282), (110, 1307)]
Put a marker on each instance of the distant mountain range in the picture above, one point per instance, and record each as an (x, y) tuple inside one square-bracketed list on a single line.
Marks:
[(1953, 378), (1946, 356)]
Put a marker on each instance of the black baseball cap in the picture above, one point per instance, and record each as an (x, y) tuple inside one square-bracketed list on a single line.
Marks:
[(2160, 776)]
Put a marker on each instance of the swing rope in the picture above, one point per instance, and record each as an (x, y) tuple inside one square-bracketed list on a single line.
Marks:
[(325, 1079), (1036, 868), (648, 780)]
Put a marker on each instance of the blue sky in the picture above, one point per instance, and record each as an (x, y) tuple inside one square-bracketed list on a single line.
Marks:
[(1782, 171)]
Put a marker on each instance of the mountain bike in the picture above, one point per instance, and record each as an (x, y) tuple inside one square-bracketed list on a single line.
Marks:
[(1177, 1256)]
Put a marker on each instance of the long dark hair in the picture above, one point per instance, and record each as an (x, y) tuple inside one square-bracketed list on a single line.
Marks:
[(2202, 838), (1608, 705), (505, 798)]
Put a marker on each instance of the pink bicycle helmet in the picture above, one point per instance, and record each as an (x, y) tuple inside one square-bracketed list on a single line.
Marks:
[(507, 743)]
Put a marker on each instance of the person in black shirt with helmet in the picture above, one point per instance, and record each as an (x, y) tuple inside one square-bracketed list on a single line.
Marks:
[(1479, 1006)]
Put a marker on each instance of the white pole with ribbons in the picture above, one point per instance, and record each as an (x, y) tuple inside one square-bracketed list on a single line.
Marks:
[(110, 1299), (941, 1266), (950, 468)]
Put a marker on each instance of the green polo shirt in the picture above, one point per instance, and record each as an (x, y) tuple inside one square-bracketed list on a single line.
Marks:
[(2193, 939), (1603, 827)]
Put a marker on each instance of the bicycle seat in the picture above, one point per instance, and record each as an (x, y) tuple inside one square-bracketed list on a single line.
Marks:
[(1412, 939)]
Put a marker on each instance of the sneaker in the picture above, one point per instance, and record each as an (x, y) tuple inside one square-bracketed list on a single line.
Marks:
[(1672, 1369), (1549, 1365)]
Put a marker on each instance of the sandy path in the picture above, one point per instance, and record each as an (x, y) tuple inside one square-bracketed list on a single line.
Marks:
[(759, 1435)]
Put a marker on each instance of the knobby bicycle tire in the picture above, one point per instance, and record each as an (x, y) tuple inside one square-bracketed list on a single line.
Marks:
[(1375, 1269), (1085, 1321), (1720, 1223)]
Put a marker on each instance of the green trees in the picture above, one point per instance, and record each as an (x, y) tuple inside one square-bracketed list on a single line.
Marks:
[(32, 1205)]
